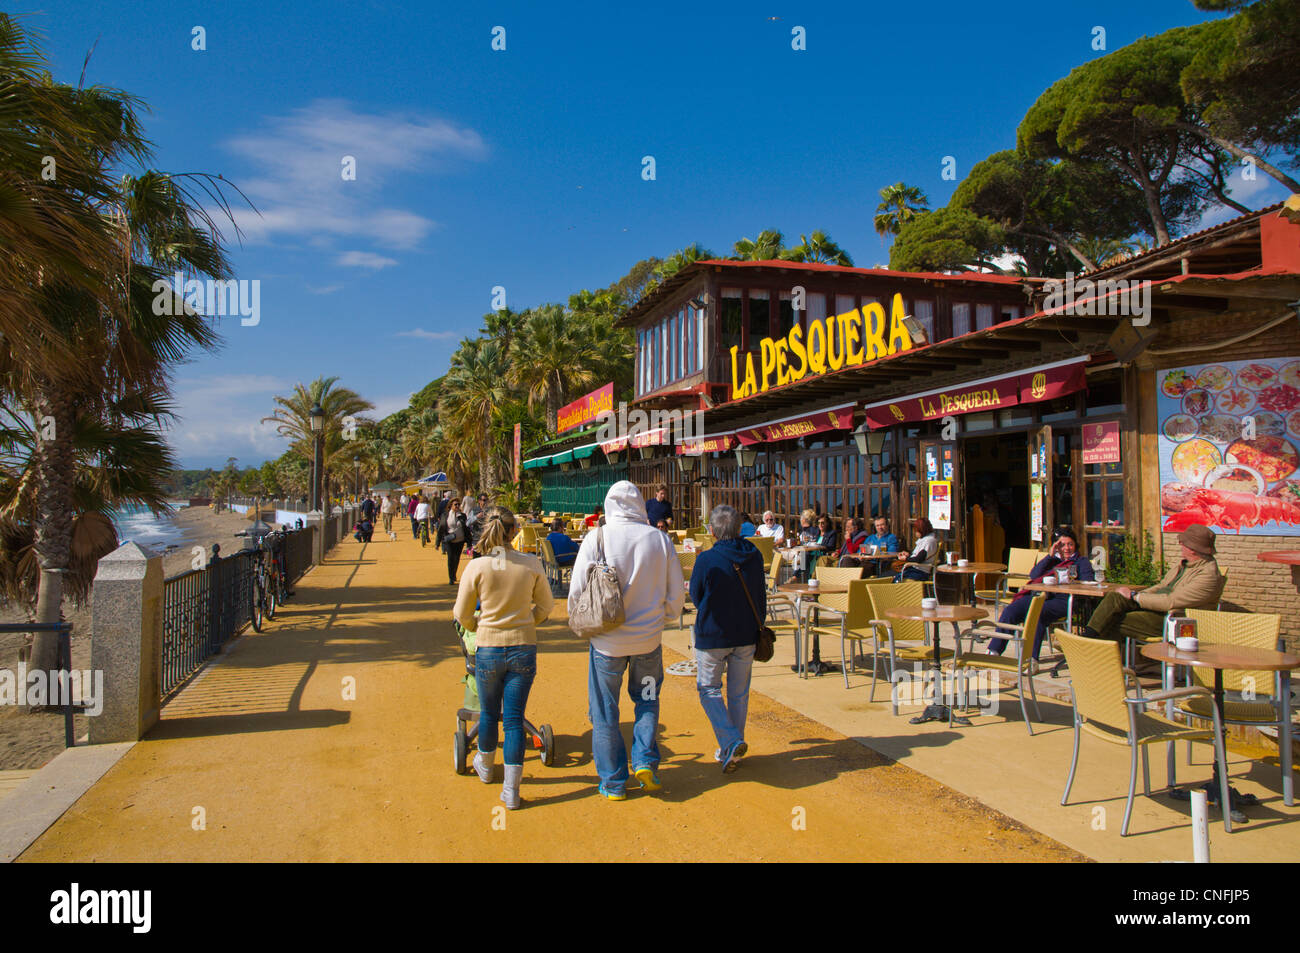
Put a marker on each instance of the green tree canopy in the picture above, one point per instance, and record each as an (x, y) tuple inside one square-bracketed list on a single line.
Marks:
[(949, 239)]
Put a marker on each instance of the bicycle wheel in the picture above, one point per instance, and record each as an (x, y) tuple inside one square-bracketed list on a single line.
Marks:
[(255, 610), (269, 598)]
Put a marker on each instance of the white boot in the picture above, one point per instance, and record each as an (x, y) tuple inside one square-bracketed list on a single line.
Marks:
[(510, 789), (483, 764)]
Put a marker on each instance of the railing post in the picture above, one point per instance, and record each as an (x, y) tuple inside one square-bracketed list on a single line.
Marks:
[(126, 643), (316, 526)]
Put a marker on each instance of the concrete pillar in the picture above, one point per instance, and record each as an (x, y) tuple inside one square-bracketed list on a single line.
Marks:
[(315, 520), (126, 643)]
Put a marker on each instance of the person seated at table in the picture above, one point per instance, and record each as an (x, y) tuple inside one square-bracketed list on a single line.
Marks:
[(1193, 583), (883, 541), (828, 540), (594, 518), (662, 525), (854, 537), (1064, 554), (920, 561), (771, 528), (565, 549), (807, 528), (747, 527)]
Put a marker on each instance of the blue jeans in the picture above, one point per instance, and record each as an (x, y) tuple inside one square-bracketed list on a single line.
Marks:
[(605, 678), (728, 720), (1053, 611), (504, 676)]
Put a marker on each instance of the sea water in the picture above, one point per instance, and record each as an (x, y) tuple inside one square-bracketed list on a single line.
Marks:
[(136, 523)]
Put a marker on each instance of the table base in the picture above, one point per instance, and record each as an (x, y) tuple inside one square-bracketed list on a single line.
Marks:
[(938, 713)]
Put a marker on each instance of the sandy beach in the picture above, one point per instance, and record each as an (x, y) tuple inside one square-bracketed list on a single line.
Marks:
[(30, 740)]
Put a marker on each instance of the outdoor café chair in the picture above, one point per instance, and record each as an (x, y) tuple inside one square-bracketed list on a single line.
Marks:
[(556, 574), (853, 609), (1132, 637), (894, 631), (1022, 664), (688, 565), (1253, 630), (1104, 709), (766, 545), (777, 601)]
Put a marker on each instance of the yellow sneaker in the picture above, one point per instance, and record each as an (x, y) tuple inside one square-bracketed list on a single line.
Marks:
[(649, 780)]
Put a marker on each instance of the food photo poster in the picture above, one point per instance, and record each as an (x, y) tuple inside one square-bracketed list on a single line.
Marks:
[(1230, 446)]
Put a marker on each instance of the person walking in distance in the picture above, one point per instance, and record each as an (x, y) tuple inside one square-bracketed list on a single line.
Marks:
[(727, 588), (411, 504), (386, 512), (650, 579), (422, 512), (453, 535), (513, 596)]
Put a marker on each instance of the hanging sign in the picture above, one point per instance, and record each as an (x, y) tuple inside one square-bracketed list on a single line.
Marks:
[(940, 510), (1101, 442), (706, 445), (585, 409), (1036, 512), (841, 419), (982, 395)]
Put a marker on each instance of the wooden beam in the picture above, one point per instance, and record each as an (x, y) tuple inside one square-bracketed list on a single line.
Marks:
[(1280, 289)]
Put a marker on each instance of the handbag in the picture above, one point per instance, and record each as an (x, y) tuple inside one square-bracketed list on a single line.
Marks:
[(598, 607), (766, 644)]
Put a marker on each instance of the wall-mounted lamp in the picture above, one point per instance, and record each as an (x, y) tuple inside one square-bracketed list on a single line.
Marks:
[(688, 463), (585, 463), (915, 330), (747, 457), (871, 443)]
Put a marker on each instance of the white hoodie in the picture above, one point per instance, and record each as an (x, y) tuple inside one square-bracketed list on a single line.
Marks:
[(648, 570)]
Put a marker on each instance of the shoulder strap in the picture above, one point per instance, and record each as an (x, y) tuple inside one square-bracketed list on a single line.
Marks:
[(748, 597)]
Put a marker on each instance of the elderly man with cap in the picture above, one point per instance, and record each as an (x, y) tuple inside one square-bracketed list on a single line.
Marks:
[(1193, 583)]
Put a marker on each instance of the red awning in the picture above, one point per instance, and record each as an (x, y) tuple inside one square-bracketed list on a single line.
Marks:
[(1025, 388), (706, 445), (613, 446), (658, 437), (838, 418)]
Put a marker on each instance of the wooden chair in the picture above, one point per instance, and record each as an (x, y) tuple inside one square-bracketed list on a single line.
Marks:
[(1104, 709), (1023, 665)]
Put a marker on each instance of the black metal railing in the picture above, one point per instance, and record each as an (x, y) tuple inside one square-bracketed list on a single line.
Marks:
[(297, 552), (202, 609), (64, 663)]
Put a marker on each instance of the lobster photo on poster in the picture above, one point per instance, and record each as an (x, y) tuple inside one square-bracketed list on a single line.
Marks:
[(1229, 446)]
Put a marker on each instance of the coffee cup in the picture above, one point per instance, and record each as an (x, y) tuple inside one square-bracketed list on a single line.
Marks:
[(1049, 580), (1187, 643), (813, 583), (963, 562), (929, 604)]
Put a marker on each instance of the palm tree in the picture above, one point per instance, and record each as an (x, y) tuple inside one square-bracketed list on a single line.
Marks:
[(899, 204), (769, 245), (818, 248), (475, 391), (292, 418), (562, 360), (680, 259)]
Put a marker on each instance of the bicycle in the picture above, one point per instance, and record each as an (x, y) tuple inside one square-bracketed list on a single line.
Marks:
[(262, 589), (424, 533)]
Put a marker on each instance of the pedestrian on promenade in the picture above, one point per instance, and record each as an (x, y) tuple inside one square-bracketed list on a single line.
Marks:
[(453, 536), (659, 509), (650, 579), (368, 509), (513, 596), (422, 512), (411, 504), (386, 511), (727, 588)]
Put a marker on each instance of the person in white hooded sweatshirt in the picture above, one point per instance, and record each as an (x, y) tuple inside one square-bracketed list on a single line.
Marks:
[(650, 576)]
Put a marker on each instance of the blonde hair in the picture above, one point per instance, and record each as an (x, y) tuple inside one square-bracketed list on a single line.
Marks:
[(809, 516), (498, 529)]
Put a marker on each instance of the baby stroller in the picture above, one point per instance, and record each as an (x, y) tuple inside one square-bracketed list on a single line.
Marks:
[(467, 717)]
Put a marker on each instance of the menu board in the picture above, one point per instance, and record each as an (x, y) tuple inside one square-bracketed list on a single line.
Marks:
[(1230, 446), (1036, 512), (941, 504)]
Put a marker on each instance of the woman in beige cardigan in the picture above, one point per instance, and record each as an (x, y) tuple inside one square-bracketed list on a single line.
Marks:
[(512, 595)]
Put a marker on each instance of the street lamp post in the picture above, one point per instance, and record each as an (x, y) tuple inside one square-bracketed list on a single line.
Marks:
[(356, 479), (317, 418)]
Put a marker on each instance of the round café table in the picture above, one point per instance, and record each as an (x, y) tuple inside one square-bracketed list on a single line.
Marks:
[(799, 590), (1241, 657), (952, 614), (1086, 590), (975, 569)]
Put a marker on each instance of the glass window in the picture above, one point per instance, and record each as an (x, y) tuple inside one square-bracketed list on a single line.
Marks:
[(983, 316), (816, 307), (960, 319), (785, 314), (760, 318), (845, 303), (923, 311), (972, 422), (729, 312), (1010, 312), (1017, 416)]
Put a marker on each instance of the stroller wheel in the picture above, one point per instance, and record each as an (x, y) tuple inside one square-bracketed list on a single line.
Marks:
[(548, 745), (460, 750)]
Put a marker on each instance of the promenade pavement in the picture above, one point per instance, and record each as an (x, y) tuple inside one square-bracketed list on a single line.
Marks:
[(328, 737)]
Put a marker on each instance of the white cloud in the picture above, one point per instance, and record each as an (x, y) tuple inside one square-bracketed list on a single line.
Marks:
[(221, 416), (389, 405), (299, 186), (365, 259), (429, 335)]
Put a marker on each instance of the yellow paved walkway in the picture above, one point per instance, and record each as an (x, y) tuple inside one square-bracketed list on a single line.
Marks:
[(264, 758)]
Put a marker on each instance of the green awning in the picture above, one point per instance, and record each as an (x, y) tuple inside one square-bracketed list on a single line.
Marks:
[(565, 457), (582, 453), (536, 462)]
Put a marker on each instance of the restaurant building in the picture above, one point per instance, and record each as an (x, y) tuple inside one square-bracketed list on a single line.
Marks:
[(1156, 391)]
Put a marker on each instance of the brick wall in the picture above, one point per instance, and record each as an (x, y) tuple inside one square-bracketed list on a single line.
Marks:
[(1255, 586)]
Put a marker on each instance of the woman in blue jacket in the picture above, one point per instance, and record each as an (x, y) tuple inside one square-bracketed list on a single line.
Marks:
[(1063, 554), (726, 629)]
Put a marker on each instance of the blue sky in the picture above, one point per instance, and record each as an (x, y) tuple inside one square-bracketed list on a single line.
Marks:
[(522, 168)]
